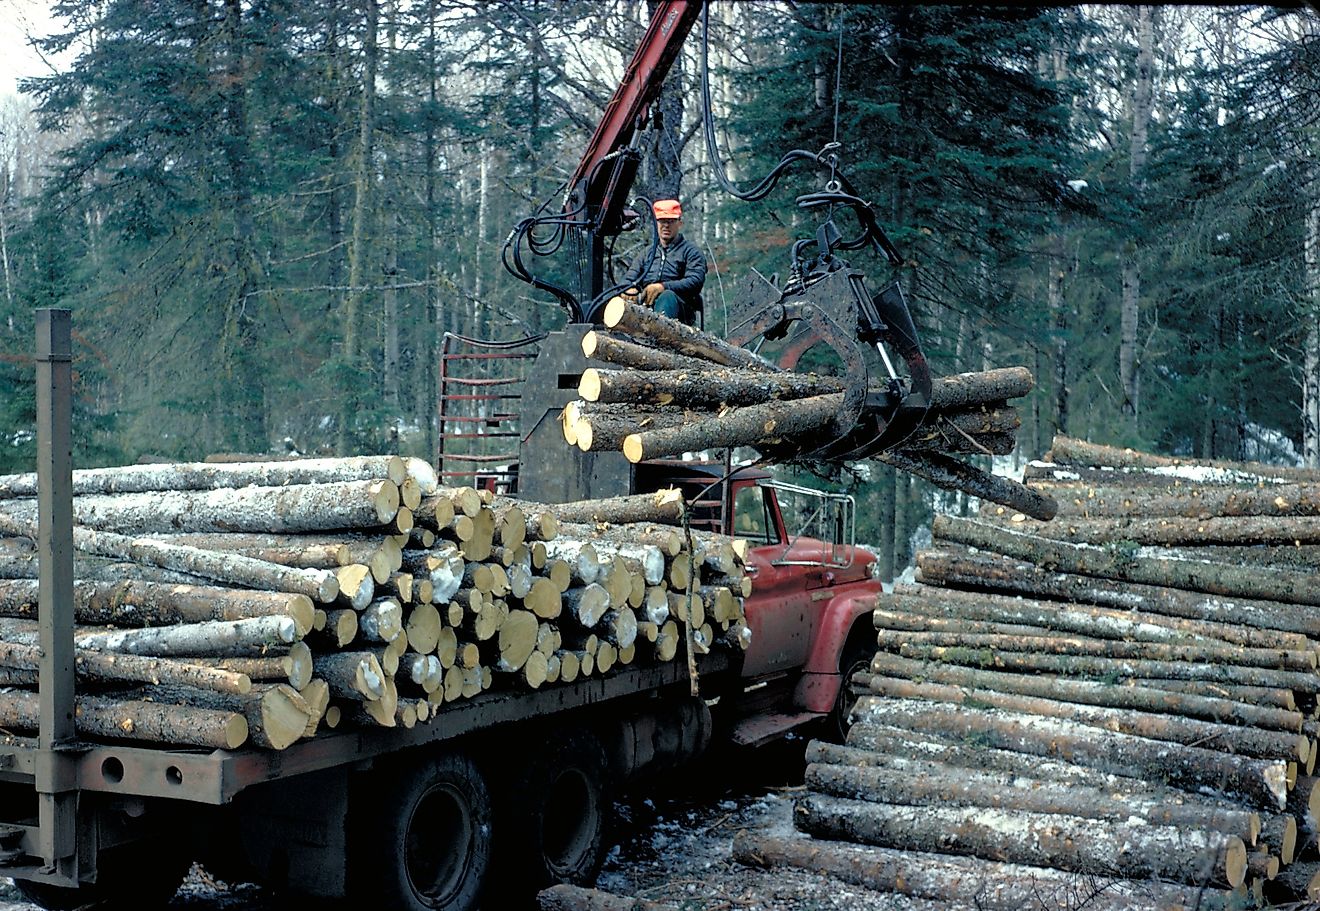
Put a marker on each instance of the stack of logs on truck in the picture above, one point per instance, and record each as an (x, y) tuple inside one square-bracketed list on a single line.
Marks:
[(1115, 709), (224, 605)]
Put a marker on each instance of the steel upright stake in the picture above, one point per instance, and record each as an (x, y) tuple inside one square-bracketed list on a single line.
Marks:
[(55, 777)]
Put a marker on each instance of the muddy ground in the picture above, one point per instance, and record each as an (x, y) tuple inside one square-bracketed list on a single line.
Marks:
[(671, 844)]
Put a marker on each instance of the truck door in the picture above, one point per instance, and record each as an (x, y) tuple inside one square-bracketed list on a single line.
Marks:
[(779, 611)]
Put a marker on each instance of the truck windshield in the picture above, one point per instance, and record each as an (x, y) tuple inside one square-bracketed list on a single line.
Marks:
[(751, 519)]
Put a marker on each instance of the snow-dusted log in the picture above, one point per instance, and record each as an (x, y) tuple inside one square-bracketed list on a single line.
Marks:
[(1131, 850), (969, 881), (130, 603), (131, 668), (296, 508), (211, 476), (676, 336), (1259, 783), (216, 638)]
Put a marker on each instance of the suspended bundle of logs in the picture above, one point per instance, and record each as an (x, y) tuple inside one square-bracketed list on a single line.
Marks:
[(678, 389), (223, 605), (1078, 708)]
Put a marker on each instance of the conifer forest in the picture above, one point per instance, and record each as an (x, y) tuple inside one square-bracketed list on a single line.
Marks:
[(265, 214)]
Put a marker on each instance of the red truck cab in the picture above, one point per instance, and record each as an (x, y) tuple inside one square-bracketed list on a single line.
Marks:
[(811, 601)]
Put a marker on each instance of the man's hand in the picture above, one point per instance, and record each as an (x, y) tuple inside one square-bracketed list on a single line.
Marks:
[(651, 292)]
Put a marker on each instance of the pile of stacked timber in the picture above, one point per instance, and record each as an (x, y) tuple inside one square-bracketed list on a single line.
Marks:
[(218, 605), (680, 389), (1056, 702)]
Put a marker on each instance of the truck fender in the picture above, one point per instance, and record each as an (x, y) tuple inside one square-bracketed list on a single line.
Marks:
[(820, 682)]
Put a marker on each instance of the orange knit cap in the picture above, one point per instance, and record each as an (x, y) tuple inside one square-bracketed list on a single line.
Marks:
[(667, 208)]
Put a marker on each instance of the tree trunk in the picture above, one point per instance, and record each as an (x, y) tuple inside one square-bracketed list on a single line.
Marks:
[(1310, 319), (1142, 104), (1062, 842), (358, 248)]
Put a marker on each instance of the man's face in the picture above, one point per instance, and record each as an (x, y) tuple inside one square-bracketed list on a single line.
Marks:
[(668, 229)]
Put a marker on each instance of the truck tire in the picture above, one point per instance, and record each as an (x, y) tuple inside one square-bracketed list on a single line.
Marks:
[(554, 825), (135, 876), (424, 836), (856, 658)]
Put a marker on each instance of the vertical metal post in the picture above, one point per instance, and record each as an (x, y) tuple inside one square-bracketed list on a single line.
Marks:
[(55, 774)]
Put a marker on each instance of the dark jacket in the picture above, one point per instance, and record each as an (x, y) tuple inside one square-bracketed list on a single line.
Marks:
[(680, 267)]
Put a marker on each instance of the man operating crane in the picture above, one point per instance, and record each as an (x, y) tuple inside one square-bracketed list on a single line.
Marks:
[(670, 274)]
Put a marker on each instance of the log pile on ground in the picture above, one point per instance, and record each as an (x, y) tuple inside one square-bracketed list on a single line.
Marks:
[(1123, 695), (223, 605), (678, 389)]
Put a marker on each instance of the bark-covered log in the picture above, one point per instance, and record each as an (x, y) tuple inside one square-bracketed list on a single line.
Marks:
[(1127, 668), (1198, 502), (1299, 882), (615, 349), (132, 719), (1216, 578), (914, 754), (1080, 619), (131, 603), (604, 428), (766, 424), (950, 474), (1054, 644), (227, 638), (210, 476), (972, 881), (1182, 532), (1251, 695), (664, 506), (1259, 783), (1130, 696), (296, 508), (1063, 842), (1232, 738), (709, 388), (1070, 451), (935, 785), (673, 335), (131, 668), (995, 573)]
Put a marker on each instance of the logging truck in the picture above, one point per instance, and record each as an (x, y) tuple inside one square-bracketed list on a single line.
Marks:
[(510, 789), (500, 793)]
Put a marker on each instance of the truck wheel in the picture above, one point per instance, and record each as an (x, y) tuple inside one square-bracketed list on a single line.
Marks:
[(555, 824), (856, 659), (425, 836), (135, 876)]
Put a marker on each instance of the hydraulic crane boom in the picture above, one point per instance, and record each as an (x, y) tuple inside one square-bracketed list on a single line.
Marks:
[(604, 177)]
